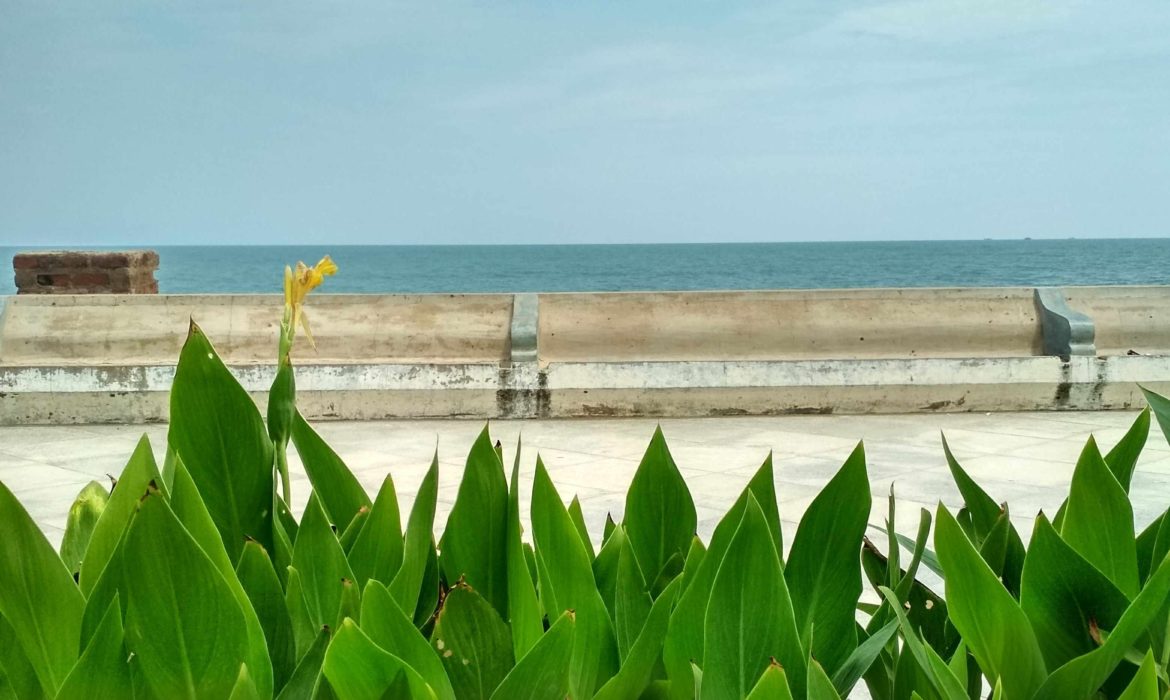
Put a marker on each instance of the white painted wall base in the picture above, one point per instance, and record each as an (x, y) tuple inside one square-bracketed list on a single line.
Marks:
[(136, 394)]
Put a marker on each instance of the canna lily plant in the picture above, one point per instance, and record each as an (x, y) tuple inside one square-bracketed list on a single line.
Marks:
[(193, 579), (282, 395)]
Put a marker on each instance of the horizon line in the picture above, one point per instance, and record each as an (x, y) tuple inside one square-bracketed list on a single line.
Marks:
[(44, 246)]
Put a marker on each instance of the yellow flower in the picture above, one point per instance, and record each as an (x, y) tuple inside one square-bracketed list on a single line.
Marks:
[(297, 285)]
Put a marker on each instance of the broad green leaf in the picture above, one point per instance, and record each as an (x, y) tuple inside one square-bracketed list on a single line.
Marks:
[(318, 558), (960, 665), (750, 618), (193, 515), (995, 546), (910, 676), (83, 516), (1144, 685), (377, 552), (669, 572), (357, 669), (474, 543), (102, 672), (1160, 405), (245, 687), (339, 490), (929, 558), (578, 517), (694, 558), (943, 682), (819, 685), (1162, 543), (15, 669), (684, 639), (605, 566), (38, 596), (542, 674), (523, 606), (772, 685), (1099, 521), (637, 668), (763, 487), (218, 433), (170, 461), (473, 642), (824, 571), (927, 610), (428, 595), (660, 513), (1123, 458), (631, 601), (183, 623), (139, 471), (983, 513), (258, 579), (607, 528), (983, 509), (392, 630), (1063, 596), (282, 540), (305, 678), (349, 535), (862, 658), (351, 601), (987, 616), (109, 586), (1146, 544), (1081, 677), (285, 518), (304, 629), (418, 542), (568, 584)]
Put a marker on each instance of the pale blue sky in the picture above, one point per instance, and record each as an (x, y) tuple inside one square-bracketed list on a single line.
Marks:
[(152, 122)]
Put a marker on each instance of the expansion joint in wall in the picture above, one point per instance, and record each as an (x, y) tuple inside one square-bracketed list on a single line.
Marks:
[(1066, 332)]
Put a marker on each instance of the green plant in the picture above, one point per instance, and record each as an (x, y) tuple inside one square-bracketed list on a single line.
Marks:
[(1082, 612), (196, 580)]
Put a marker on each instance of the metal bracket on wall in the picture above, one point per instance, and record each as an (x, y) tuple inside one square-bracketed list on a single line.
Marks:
[(1066, 332), (525, 316)]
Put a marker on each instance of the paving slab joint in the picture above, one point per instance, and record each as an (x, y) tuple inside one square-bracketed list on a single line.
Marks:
[(1066, 332)]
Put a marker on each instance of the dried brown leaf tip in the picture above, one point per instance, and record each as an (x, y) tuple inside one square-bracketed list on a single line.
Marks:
[(151, 490), (1095, 631)]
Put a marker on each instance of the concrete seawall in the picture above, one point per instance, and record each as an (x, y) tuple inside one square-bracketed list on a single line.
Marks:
[(82, 359)]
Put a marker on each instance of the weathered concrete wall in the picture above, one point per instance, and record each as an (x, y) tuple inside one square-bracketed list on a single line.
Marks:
[(111, 359), (82, 272), (788, 325), (145, 330), (1127, 319)]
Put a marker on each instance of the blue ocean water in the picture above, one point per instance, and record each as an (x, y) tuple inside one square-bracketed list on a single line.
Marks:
[(519, 268)]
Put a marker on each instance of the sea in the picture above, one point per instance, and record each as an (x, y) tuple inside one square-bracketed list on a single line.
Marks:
[(628, 267)]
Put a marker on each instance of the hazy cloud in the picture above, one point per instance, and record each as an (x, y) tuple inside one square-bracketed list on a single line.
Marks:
[(410, 122)]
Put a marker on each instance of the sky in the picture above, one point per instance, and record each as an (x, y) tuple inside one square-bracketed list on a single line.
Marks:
[(376, 122)]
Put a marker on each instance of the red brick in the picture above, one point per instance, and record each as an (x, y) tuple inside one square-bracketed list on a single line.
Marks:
[(72, 259), (108, 261), (26, 277), (80, 272), (90, 279)]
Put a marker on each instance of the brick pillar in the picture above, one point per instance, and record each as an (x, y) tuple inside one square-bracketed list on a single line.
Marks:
[(81, 272)]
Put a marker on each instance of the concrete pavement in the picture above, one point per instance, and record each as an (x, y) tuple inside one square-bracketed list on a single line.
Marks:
[(1026, 459)]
